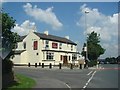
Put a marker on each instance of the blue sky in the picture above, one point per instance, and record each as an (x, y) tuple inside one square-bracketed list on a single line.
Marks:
[(68, 19)]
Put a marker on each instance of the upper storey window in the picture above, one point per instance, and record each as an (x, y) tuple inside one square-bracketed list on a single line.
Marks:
[(60, 46), (24, 45), (46, 44), (35, 45), (54, 45)]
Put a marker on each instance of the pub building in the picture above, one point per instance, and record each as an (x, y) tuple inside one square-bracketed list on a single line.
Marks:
[(45, 48)]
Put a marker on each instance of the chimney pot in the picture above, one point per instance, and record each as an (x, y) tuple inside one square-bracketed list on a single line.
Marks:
[(67, 37), (46, 32)]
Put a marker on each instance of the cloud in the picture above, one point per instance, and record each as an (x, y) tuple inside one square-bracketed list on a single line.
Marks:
[(96, 21), (105, 25), (47, 16), (24, 28), (110, 48)]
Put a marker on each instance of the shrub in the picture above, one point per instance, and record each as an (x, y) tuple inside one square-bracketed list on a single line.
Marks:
[(7, 66)]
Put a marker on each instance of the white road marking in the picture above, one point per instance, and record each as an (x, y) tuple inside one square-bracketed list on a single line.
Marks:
[(89, 80), (68, 86), (89, 72)]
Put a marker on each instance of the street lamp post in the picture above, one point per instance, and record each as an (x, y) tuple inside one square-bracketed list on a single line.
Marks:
[(86, 59)]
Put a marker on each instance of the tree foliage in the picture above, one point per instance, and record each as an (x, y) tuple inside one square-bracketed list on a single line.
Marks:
[(112, 60), (94, 49), (9, 38)]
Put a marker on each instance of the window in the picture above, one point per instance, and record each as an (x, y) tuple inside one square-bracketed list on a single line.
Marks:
[(74, 56), (61, 57), (43, 55), (49, 56), (69, 58), (46, 44), (24, 45), (60, 46), (35, 47), (71, 47), (54, 45)]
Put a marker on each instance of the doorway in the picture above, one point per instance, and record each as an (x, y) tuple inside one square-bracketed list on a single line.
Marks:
[(65, 61)]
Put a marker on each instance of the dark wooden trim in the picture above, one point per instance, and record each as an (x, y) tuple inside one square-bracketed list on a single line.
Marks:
[(59, 41), (60, 51)]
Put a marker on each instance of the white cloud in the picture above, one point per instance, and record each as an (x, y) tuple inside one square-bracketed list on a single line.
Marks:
[(111, 50), (47, 16), (106, 26), (24, 28)]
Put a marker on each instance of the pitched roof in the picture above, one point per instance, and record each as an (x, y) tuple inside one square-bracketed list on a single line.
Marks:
[(22, 37), (51, 37), (54, 38)]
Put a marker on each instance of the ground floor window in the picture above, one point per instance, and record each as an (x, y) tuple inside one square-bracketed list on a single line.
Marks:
[(49, 56), (69, 58), (74, 57), (61, 57)]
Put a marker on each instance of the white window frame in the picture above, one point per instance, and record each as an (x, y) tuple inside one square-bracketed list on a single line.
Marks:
[(60, 45), (49, 56)]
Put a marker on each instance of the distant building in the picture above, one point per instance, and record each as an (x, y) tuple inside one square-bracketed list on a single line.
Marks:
[(45, 48)]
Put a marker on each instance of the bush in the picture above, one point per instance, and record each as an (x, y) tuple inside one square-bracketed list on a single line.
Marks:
[(7, 66), (7, 73)]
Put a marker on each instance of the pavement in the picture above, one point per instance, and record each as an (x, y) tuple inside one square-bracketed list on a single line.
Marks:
[(94, 77)]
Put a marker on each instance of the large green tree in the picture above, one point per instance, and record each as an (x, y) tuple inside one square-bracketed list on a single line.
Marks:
[(9, 40), (94, 49)]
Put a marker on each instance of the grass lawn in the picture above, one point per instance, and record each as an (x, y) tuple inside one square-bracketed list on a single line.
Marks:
[(23, 83)]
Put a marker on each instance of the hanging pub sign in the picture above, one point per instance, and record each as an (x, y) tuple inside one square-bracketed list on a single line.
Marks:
[(54, 45)]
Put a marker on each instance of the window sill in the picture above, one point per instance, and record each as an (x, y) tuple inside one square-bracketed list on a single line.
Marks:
[(48, 60)]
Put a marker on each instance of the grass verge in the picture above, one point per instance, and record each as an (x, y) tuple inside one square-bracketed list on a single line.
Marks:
[(22, 83)]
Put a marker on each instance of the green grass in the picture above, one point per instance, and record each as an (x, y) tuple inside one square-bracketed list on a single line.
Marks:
[(23, 83)]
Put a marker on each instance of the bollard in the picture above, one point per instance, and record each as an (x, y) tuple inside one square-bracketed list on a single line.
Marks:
[(42, 65), (50, 66), (80, 66), (39, 64), (84, 65), (60, 65), (28, 64), (71, 66), (35, 64)]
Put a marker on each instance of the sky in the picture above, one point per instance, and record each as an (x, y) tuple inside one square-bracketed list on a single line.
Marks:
[(68, 19)]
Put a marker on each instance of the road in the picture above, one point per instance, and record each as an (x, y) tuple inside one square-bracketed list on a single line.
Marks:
[(106, 76)]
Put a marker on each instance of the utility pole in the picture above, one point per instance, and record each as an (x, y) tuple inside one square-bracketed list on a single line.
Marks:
[(86, 48)]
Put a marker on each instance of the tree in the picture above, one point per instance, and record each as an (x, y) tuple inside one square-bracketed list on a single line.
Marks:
[(9, 40), (118, 59), (112, 60), (94, 49)]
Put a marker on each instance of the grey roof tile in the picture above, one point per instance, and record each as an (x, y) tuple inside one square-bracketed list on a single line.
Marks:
[(55, 38), (51, 37)]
